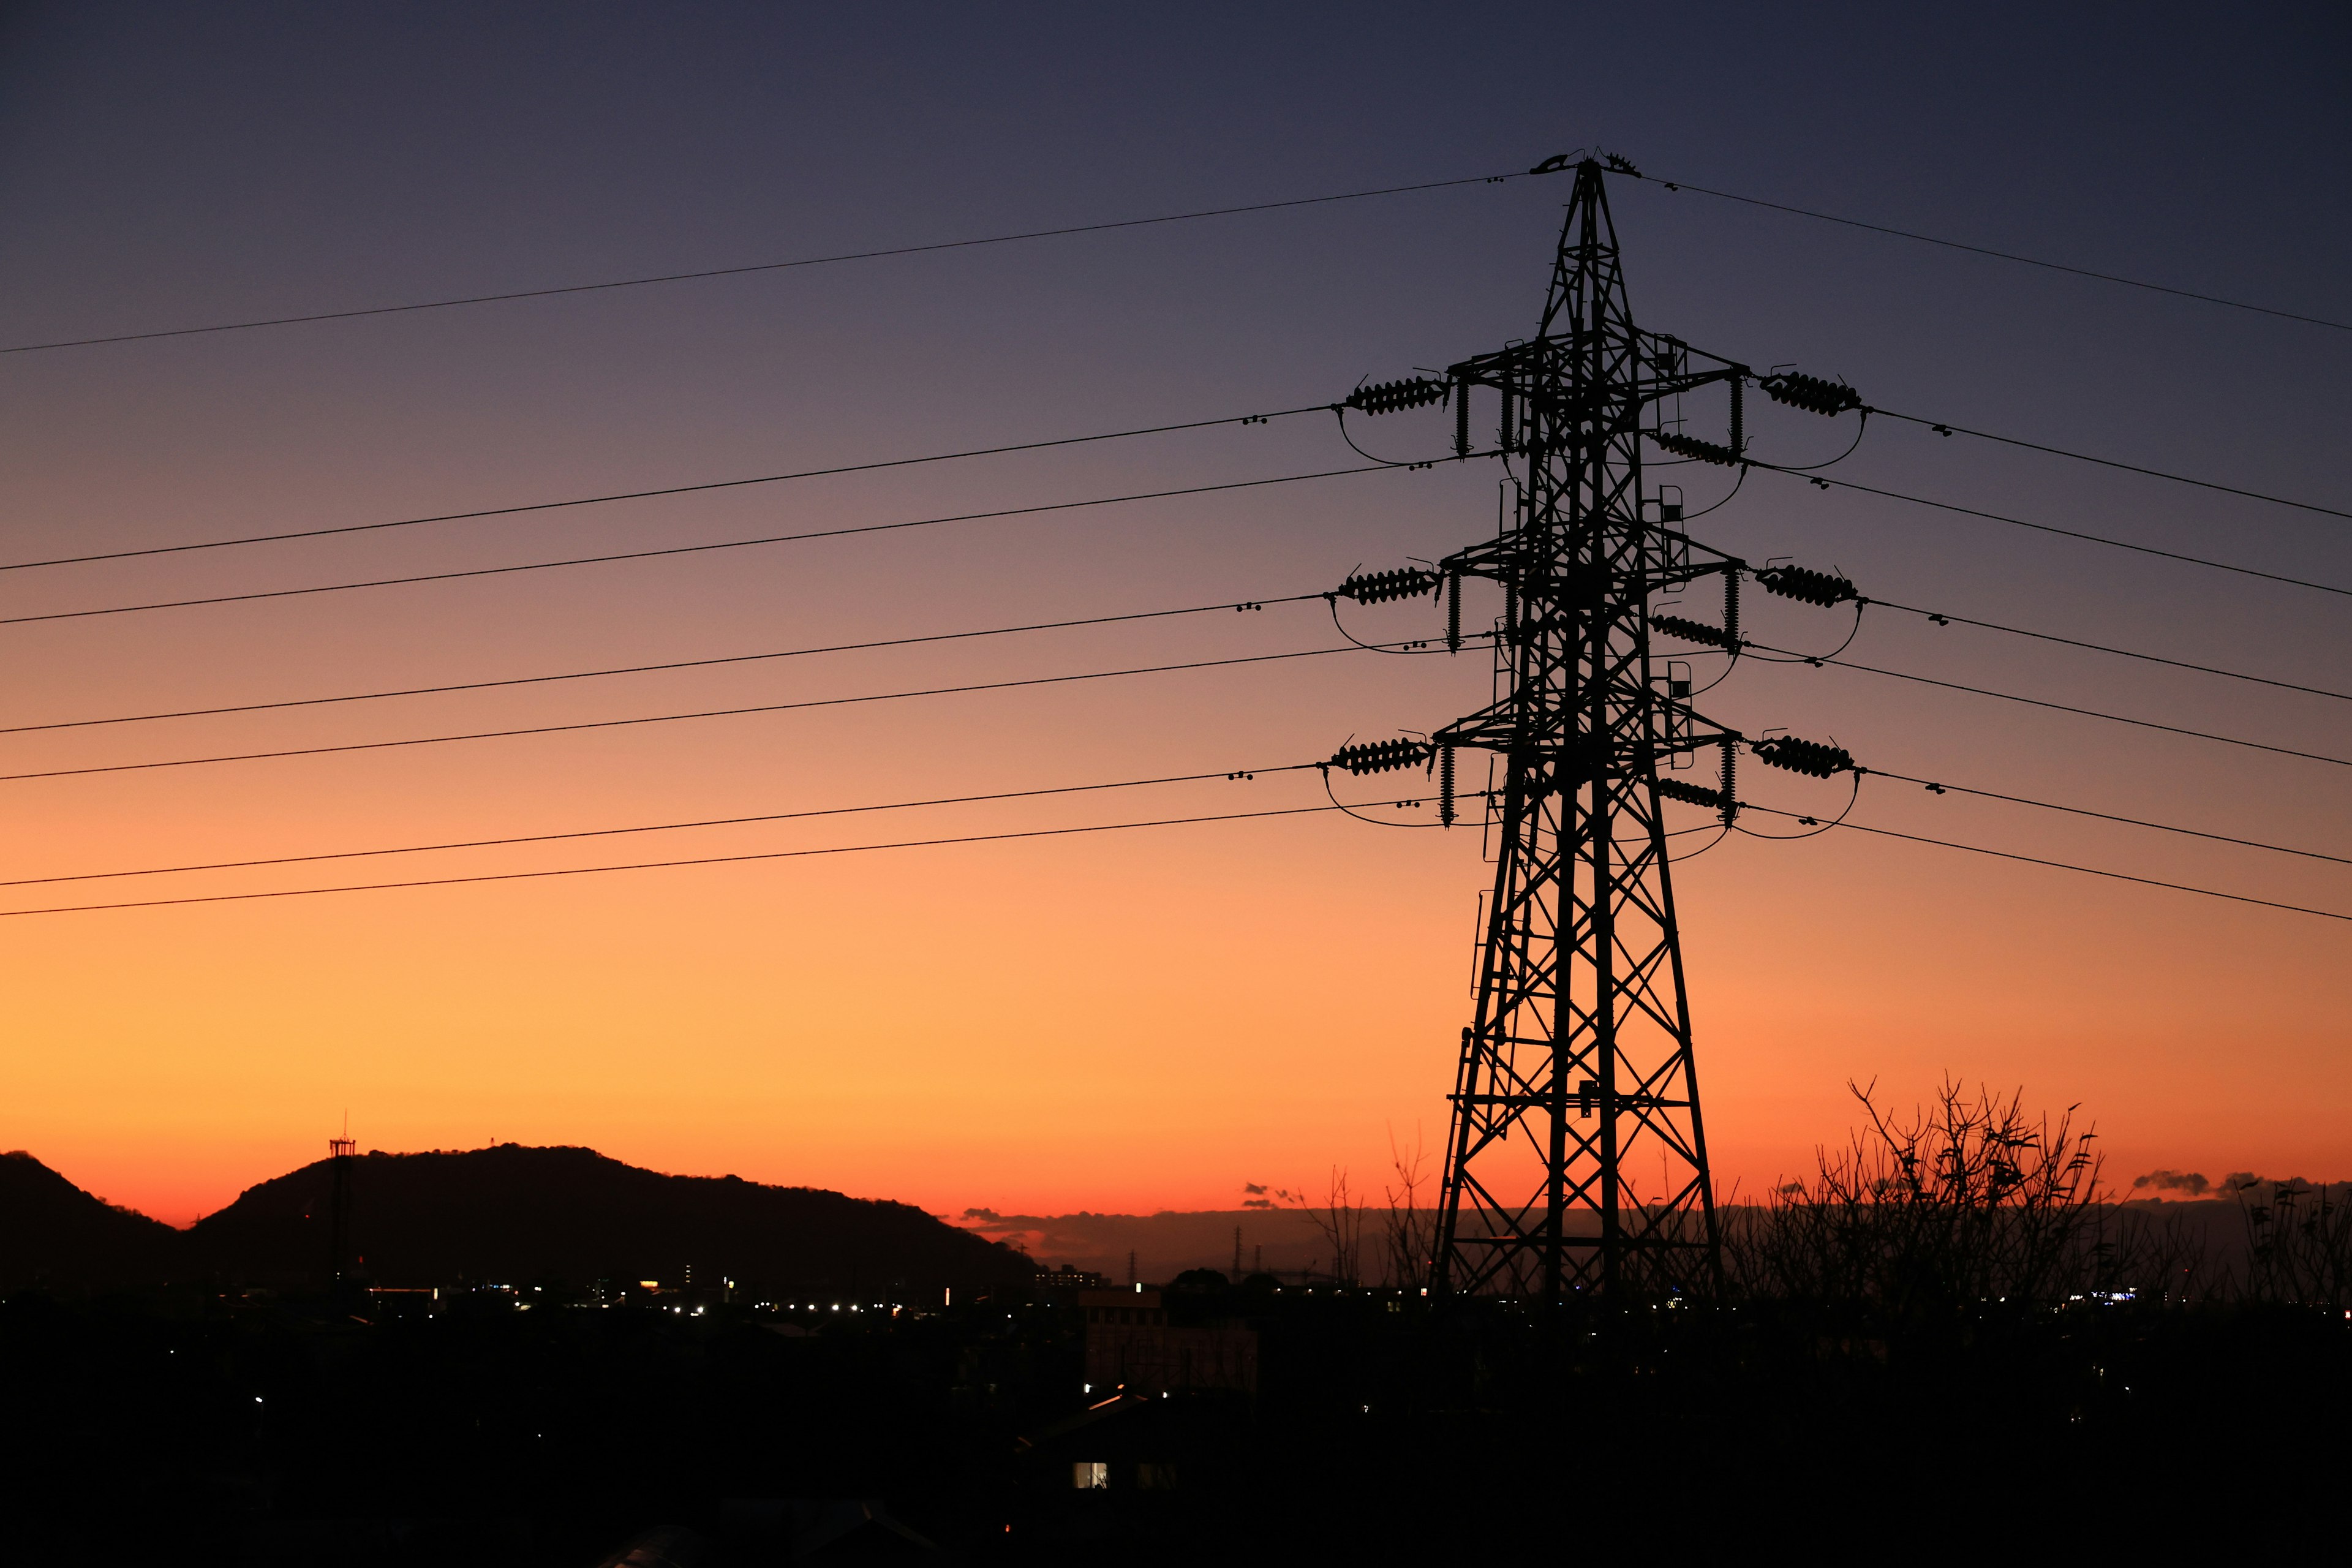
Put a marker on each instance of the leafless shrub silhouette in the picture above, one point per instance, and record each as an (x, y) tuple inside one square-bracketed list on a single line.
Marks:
[(1341, 1219), (1408, 1228), (2298, 1241), (1969, 1199)]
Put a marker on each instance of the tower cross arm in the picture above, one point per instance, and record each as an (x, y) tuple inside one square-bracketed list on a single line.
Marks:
[(1509, 560), (1537, 367), (1495, 727)]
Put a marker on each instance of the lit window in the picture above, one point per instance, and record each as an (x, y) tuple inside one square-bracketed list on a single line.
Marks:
[(1091, 1476)]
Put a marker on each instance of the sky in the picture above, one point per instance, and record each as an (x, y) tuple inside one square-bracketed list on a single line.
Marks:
[(1143, 1019)]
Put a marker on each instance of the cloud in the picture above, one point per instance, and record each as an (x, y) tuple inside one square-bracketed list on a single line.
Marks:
[(2189, 1181), (1255, 1189), (1258, 1202), (982, 1214)]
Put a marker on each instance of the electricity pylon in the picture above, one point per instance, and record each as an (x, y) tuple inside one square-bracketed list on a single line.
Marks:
[(1577, 1085), (341, 1153)]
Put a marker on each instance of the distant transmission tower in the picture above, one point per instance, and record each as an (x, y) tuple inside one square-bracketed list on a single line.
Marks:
[(339, 1152), (1577, 1086)]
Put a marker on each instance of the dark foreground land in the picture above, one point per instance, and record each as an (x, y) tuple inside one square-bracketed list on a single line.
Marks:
[(195, 1428)]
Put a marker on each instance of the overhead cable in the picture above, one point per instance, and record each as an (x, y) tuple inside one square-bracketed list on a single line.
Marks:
[(646, 668), (1937, 787), (647, 827), (665, 864), (1065, 832), (1824, 483), (1943, 617), (542, 293), (1819, 659), (2062, 866), (681, 549), (675, 718), (1998, 254), (1944, 427), (666, 490)]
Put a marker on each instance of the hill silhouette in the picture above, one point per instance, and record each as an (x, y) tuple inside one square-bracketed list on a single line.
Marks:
[(54, 1234), (517, 1215)]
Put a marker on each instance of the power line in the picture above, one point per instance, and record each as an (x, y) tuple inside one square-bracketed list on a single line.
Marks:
[(2057, 864), (1942, 617), (644, 669), (2000, 255), (759, 266), (1938, 787), (666, 490), (1943, 428), (1819, 659), (699, 714), (1052, 833), (1822, 482), (681, 549), (646, 827), (665, 865)]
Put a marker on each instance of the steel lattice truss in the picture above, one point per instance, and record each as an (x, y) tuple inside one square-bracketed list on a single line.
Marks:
[(1577, 1158)]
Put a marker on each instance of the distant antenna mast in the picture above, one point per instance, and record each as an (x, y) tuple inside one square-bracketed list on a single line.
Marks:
[(339, 1208)]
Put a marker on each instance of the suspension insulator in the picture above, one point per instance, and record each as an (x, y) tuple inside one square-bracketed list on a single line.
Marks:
[(1693, 447), (1380, 587), (1731, 607), (1807, 585), (1809, 757), (1738, 423), (1380, 756), (1453, 617), (1810, 393), (1445, 786), (1461, 420), (1693, 631), (1395, 396), (1507, 431), (1691, 793), (1730, 780)]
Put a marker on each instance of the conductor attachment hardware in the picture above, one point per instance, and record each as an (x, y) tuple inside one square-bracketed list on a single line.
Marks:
[(1382, 757), (1693, 631), (1395, 396), (1808, 757), (1724, 801), (1691, 793), (1699, 451), (1807, 585), (1810, 393), (1380, 587)]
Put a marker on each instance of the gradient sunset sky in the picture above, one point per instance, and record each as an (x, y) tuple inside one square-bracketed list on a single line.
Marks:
[(1140, 1020)]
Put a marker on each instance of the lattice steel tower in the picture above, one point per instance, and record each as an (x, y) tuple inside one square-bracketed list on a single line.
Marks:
[(1577, 1087)]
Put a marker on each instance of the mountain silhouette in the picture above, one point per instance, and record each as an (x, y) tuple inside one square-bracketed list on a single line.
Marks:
[(512, 1215), (52, 1233)]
